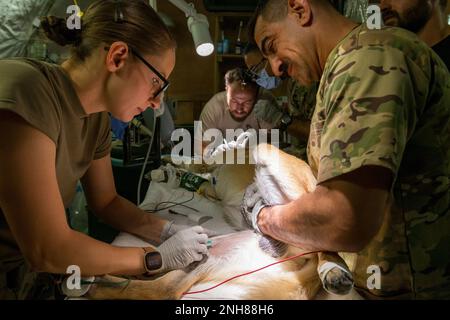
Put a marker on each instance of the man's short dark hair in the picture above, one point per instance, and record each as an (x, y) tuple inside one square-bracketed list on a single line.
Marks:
[(443, 4), (274, 11), (240, 76), (270, 10)]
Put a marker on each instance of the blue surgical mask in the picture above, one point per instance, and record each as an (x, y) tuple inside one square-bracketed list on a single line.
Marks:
[(118, 127), (267, 82)]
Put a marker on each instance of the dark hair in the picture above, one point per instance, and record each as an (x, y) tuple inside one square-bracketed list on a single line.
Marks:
[(276, 10), (106, 21), (270, 10), (240, 76), (443, 4)]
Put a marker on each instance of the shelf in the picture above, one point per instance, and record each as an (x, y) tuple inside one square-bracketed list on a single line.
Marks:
[(227, 24)]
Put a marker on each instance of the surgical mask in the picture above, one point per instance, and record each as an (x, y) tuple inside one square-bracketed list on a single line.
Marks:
[(267, 82), (118, 127)]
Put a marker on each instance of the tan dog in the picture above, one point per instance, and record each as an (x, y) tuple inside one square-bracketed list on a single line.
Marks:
[(280, 178)]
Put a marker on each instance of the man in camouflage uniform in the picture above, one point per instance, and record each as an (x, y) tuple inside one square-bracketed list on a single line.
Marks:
[(379, 147)]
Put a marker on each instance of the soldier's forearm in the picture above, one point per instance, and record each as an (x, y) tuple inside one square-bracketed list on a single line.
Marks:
[(338, 216)]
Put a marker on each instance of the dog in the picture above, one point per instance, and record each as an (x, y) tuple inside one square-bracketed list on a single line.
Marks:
[(280, 178)]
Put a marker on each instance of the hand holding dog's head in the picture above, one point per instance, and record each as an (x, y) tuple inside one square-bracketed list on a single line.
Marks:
[(251, 206)]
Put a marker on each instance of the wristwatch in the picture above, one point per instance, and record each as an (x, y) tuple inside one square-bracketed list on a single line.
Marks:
[(152, 261), (286, 120)]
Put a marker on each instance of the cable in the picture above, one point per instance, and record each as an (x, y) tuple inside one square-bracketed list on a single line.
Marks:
[(250, 272), (145, 163), (174, 204)]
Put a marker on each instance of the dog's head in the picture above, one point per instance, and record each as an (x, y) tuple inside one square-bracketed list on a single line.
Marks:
[(272, 247)]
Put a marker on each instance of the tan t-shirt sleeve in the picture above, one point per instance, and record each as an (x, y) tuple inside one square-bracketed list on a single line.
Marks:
[(210, 116), (26, 92)]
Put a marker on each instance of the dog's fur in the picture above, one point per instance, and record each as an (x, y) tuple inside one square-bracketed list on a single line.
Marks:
[(280, 178)]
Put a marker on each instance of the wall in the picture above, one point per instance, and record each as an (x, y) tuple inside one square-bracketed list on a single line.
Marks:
[(192, 81), (193, 75)]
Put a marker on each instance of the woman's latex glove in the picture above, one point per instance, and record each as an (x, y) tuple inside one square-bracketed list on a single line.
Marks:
[(183, 248), (170, 228)]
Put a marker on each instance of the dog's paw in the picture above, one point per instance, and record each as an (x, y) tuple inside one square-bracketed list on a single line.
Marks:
[(338, 281)]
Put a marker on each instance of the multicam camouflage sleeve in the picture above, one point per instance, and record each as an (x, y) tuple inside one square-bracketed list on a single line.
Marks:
[(384, 100), (367, 112)]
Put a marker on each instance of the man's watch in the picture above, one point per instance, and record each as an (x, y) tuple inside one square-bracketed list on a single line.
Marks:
[(286, 120), (152, 261)]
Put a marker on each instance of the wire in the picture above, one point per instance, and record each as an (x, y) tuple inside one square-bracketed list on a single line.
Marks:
[(250, 272), (145, 162), (174, 204)]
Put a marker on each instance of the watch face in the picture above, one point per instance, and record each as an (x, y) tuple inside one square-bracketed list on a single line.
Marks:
[(153, 261)]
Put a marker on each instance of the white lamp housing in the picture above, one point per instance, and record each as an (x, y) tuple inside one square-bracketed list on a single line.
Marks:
[(199, 27)]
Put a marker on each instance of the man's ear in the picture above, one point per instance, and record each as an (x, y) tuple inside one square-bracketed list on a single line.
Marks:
[(116, 56), (301, 9)]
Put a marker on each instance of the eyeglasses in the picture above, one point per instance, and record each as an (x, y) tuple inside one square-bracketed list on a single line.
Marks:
[(256, 69), (162, 84), (160, 87)]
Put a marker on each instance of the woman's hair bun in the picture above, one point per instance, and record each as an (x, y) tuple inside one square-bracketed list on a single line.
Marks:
[(56, 30)]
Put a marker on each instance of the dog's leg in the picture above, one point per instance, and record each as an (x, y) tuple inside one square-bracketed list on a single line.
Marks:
[(170, 286), (279, 287)]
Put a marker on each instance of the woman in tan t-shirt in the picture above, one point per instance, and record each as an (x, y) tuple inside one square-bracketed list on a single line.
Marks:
[(53, 132)]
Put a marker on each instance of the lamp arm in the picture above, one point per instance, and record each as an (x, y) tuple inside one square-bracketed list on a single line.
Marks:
[(187, 8)]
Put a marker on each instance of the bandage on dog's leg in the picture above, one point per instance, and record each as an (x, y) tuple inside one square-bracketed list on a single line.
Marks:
[(334, 273)]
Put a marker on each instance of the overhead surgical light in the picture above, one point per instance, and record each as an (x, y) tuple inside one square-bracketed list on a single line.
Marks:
[(198, 26)]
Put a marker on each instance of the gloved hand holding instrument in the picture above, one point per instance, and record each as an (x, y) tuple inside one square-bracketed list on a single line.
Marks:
[(183, 248), (171, 228)]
